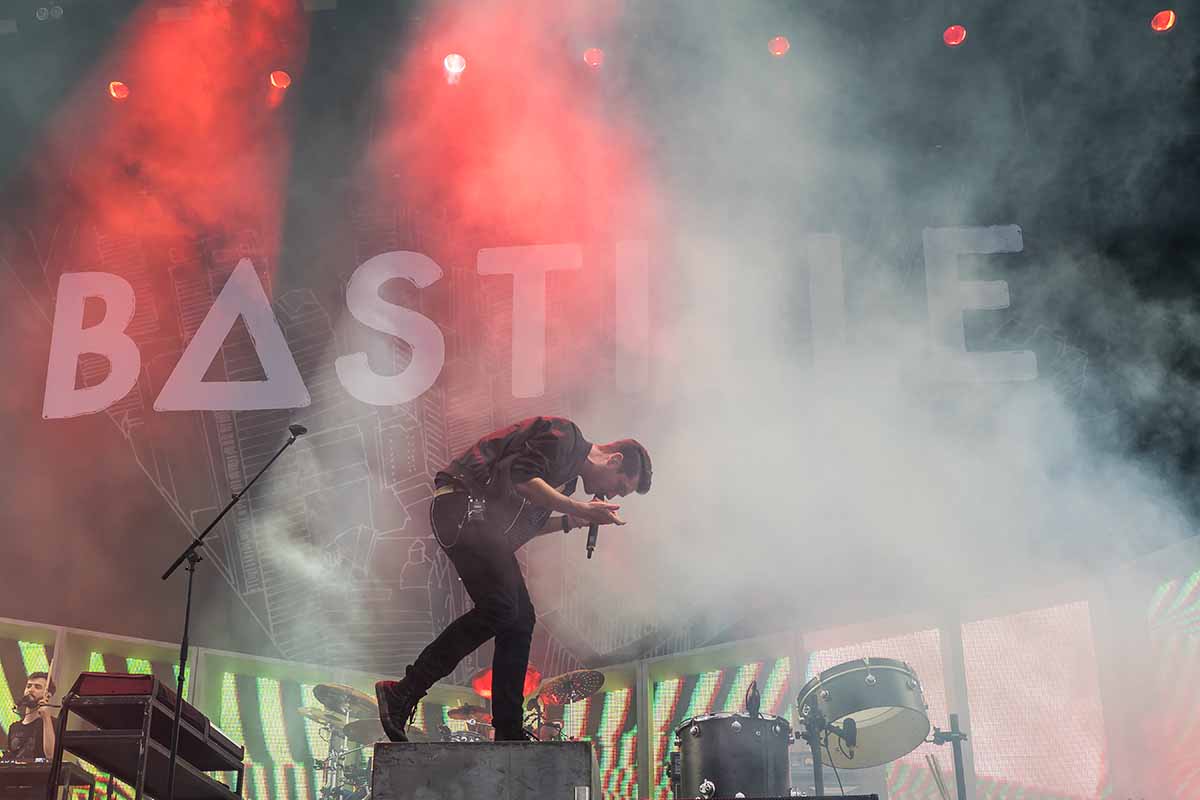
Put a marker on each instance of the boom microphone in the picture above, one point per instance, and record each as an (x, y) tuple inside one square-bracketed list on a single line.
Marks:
[(297, 430)]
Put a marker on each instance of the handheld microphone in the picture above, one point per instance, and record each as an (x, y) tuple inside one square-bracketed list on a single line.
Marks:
[(297, 430), (593, 530)]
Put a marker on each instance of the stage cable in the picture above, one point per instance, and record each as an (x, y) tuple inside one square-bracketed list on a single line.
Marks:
[(836, 774)]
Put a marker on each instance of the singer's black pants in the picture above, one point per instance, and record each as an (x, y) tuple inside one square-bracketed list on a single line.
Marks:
[(492, 577)]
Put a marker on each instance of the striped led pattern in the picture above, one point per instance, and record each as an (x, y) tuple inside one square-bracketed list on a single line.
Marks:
[(607, 720), (908, 778), (282, 746), (1173, 710), (1022, 670), (717, 691)]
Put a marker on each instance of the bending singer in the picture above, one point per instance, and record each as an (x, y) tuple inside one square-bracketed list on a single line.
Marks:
[(488, 503)]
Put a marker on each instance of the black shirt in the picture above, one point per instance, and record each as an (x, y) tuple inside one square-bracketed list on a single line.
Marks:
[(550, 448), (25, 740)]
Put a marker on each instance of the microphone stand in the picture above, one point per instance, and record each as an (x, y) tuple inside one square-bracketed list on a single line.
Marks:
[(955, 737), (816, 733), (192, 558)]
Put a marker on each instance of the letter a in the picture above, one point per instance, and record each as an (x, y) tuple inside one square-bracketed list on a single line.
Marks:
[(186, 389), (69, 340)]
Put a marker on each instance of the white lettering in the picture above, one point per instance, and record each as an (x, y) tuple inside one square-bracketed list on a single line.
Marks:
[(69, 340), (949, 297), (421, 333), (186, 390), (528, 265)]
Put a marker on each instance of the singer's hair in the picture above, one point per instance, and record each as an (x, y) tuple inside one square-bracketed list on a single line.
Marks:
[(50, 687), (634, 461)]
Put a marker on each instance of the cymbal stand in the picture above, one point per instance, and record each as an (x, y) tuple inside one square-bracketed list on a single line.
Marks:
[(534, 716), (955, 737)]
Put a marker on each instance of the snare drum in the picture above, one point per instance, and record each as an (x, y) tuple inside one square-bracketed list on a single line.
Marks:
[(884, 698)]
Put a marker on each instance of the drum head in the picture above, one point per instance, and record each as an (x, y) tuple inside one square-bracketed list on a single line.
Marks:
[(886, 702)]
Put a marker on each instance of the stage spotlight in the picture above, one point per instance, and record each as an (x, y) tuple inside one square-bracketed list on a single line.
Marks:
[(280, 79), (1163, 21), (778, 46), (593, 57), (454, 64), (954, 35), (118, 91)]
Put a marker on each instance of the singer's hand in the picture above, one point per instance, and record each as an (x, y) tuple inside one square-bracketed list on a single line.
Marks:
[(44, 711), (600, 512)]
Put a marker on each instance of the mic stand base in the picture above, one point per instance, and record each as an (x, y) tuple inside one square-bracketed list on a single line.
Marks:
[(192, 559), (955, 737)]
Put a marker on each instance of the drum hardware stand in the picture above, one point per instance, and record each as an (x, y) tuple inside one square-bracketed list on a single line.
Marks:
[(955, 737), (535, 720), (816, 727), (192, 557), (534, 715)]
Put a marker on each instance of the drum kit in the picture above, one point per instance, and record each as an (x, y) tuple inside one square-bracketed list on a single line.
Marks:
[(347, 717), (859, 714), (349, 720)]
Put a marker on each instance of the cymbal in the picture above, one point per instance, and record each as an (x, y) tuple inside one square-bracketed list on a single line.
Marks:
[(321, 716), (469, 712), (571, 687), (365, 731), (339, 698)]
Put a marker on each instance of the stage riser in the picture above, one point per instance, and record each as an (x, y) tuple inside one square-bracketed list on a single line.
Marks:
[(484, 771)]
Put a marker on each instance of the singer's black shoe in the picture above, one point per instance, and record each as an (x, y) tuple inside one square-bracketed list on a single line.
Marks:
[(397, 705)]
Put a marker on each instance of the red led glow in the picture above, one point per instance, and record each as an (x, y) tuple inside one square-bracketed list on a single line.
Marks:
[(779, 45), (593, 57), (280, 79), (954, 35), (481, 682), (118, 90), (1163, 21)]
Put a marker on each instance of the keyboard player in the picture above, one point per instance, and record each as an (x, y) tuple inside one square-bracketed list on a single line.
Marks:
[(32, 736)]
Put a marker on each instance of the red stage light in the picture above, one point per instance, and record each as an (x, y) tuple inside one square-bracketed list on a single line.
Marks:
[(280, 79), (454, 65), (593, 57), (779, 45), (118, 90), (1163, 21), (954, 35), (481, 682)]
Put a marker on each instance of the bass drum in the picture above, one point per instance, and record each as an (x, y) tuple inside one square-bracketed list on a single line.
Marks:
[(733, 755), (884, 698)]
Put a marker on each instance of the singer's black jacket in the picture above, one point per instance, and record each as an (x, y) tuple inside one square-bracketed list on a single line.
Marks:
[(550, 448)]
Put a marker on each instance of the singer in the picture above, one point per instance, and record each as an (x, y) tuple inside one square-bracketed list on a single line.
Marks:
[(32, 736), (487, 503)]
